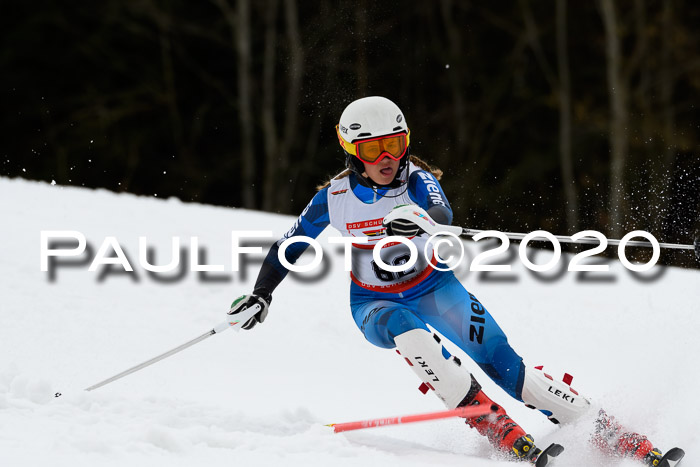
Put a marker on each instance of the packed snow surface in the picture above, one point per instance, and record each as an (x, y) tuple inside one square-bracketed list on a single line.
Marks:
[(262, 397)]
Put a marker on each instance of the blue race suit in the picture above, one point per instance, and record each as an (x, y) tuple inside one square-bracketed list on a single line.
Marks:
[(439, 300)]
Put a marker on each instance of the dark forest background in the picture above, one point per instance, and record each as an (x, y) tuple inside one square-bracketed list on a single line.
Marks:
[(552, 115)]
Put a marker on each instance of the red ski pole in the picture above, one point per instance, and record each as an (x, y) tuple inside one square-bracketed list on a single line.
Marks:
[(472, 411)]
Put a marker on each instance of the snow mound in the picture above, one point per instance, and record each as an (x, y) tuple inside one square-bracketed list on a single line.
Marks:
[(263, 397)]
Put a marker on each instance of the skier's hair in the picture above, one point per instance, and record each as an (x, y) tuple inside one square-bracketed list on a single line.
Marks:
[(437, 173)]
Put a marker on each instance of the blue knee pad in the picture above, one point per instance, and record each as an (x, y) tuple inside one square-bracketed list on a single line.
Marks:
[(461, 318), (442, 302), (382, 320)]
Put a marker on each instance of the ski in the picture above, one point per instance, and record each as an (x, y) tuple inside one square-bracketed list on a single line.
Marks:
[(552, 451), (672, 457)]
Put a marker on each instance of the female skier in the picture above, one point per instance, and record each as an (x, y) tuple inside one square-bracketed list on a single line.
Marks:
[(393, 309)]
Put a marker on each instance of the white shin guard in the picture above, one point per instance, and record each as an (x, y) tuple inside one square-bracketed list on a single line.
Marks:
[(434, 366), (542, 392)]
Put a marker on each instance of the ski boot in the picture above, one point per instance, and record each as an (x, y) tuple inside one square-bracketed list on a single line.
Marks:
[(443, 374), (610, 437), (502, 431)]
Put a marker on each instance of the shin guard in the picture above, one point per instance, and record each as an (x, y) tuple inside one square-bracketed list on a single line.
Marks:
[(556, 399), (434, 365)]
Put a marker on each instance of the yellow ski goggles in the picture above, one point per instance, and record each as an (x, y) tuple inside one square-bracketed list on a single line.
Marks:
[(373, 150)]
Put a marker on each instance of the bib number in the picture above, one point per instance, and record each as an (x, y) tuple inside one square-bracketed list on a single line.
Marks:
[(388, 276)]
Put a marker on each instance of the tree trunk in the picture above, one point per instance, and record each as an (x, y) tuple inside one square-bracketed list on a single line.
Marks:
[(361, 44), (291, 110), (564, 94), (644, 102), (239, 23), (619, 118), (561, 87), (163, 22), (457, 75), (269, 126), (244, 112), (666, 83)]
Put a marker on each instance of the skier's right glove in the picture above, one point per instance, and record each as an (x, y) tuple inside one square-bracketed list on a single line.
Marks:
[(400, 221), (246, 301)]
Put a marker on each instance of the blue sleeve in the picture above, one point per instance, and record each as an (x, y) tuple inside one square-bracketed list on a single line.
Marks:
[(426, 192), (312, 221)]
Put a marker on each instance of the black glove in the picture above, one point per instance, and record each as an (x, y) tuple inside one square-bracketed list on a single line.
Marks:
[(246, 301), (402, 228)]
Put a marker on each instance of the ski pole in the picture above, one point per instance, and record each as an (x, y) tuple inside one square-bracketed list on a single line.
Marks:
[(434, 229), (471, 411), (419, 217), (589, 240), (234, 322)]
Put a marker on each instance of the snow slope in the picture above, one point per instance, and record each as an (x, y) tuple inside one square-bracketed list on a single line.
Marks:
[(262, 397)]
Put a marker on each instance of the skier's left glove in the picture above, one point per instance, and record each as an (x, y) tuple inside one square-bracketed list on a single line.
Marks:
[(244, 302), (399, 221), (408, 220)]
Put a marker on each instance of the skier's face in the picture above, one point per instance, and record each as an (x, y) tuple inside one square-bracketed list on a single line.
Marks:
[(383, 172)]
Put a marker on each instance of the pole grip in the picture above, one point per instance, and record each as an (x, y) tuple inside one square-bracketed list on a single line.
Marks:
[(236, 321)]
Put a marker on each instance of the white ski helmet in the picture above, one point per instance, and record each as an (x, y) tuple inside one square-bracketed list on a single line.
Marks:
[(369, 118)]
